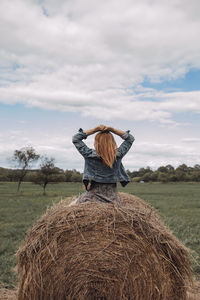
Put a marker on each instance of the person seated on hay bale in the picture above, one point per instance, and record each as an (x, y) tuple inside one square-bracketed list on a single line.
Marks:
[(103, 166)]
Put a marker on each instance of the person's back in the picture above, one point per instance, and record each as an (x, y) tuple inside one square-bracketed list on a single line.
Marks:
[(103, 167)]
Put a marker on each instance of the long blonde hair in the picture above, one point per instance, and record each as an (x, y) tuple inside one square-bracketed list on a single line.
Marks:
[(106, 147)]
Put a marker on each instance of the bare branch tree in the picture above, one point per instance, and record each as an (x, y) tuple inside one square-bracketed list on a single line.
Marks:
[(24, 159), (48, 173)]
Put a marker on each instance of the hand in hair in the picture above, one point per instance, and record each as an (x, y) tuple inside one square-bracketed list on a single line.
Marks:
[(115, 131), (101, 127), (104, 128)]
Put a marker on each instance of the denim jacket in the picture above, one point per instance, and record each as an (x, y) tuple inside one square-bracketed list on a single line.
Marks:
[(95, 169)]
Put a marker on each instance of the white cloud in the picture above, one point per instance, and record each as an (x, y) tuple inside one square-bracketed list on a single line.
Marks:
[(107, 105), (93, 57), (191, 140), (155, 155)]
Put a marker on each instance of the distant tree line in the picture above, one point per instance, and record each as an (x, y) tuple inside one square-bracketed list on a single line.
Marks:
[(167, 174), (162, 174), (48, 173), (11, 174)]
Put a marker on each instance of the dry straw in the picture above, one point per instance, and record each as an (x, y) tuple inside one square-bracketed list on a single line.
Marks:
[(102, 251)]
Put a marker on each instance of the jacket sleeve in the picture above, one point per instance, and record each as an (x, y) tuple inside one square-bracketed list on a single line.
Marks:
[(83, 149), (126, 145)]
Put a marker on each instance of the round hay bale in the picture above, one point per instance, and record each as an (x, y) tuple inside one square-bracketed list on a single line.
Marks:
[(102, 251), (6, 294)]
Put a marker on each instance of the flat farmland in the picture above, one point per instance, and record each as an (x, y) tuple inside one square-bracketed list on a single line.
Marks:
[(178, 204)]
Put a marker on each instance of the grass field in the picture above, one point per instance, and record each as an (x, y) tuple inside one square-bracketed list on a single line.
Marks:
[(178, 204)]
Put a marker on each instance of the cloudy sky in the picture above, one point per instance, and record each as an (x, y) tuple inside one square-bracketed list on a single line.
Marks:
[(132, 64)]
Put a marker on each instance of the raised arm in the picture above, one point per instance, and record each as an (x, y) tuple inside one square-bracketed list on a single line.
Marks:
[(115, 131), (83, 149), (95, 129), (128, 140)]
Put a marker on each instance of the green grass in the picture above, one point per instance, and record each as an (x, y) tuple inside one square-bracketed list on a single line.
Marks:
[(178, 204)]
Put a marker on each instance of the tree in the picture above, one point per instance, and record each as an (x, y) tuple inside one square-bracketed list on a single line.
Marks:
[(163, 169), (143, 171), (134, 174), (3, 174), (146, 177), (24, 158), (73, 176), (68, 175), (76, 176), (195, 176), (197, 167), (163, 177), (170, 169), (182, 168), (154, 176), (48, 173)]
